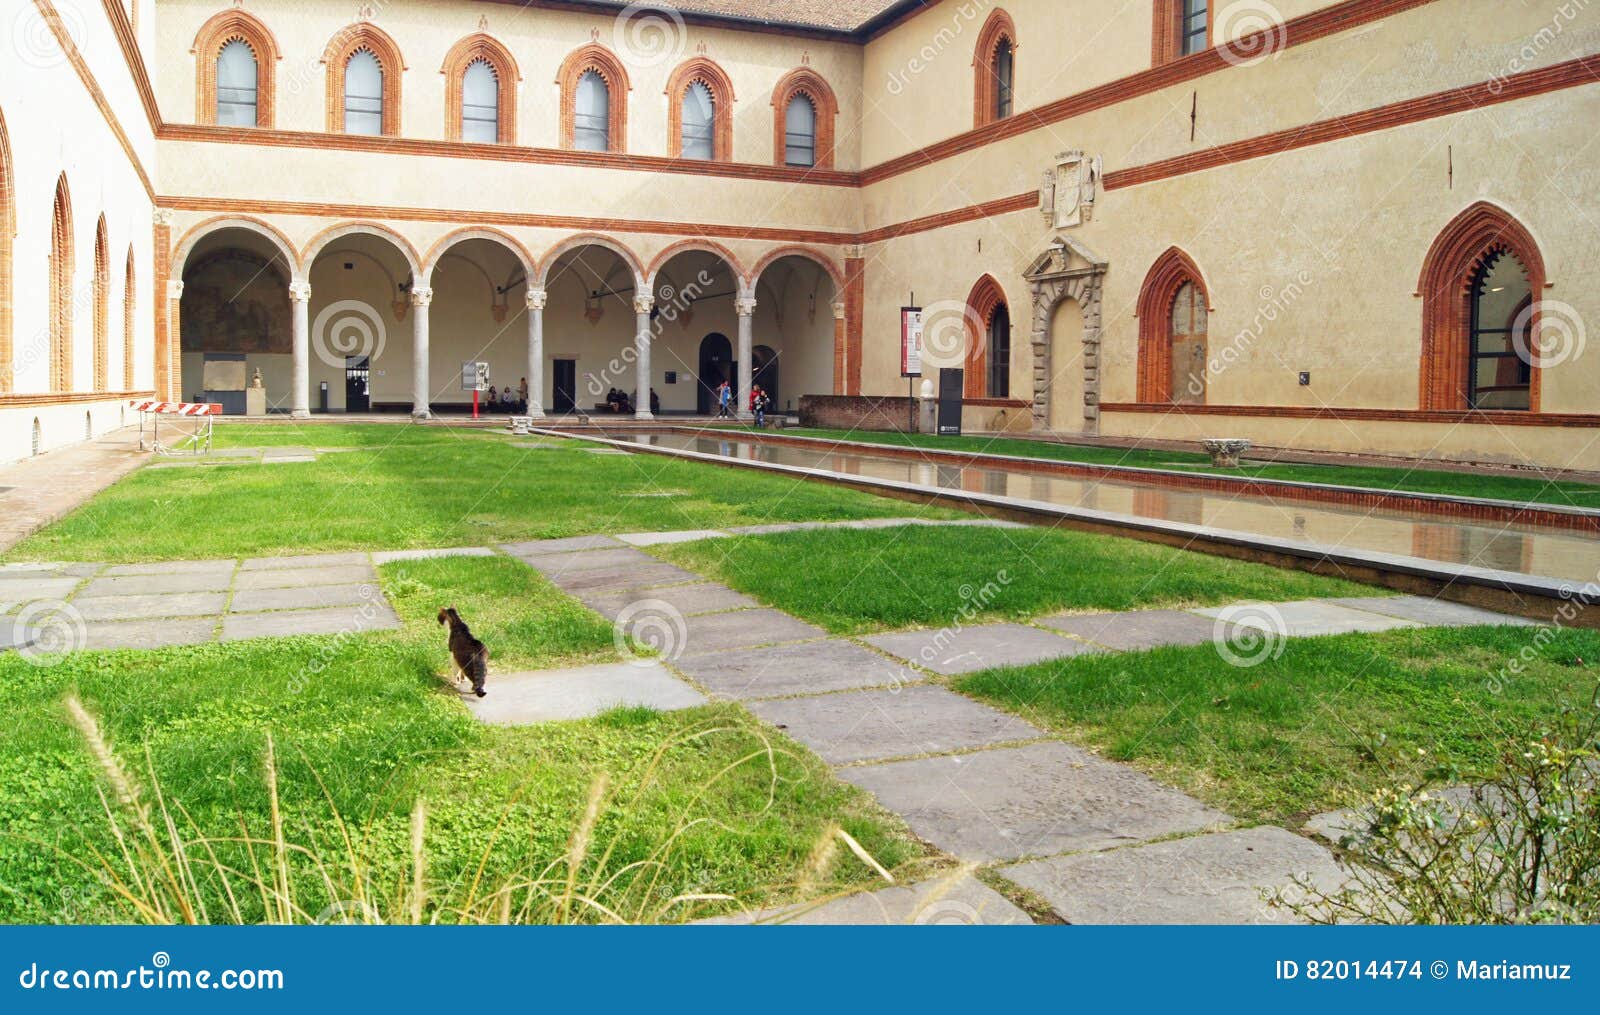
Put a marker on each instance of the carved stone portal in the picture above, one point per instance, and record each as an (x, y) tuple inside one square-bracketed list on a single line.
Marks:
[(1068, 270)]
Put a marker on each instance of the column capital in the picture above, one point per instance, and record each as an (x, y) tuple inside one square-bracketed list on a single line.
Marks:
[(643, 304), (744, 307), (838, 311), (161, 216), (855, 251), (174, 289), (536, 299), (300, 291), (421, 296)]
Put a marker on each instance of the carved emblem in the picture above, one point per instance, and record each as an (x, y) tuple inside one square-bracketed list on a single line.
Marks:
[(1067, 192)]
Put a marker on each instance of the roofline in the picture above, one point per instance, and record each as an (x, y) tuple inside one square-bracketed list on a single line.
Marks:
[(860, 35)]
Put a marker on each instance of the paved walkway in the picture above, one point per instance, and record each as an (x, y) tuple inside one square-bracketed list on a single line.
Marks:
[(36, 491)]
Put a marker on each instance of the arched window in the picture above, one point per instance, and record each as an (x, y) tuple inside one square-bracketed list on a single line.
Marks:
[(594, 101), (988, 337), (994, 68), (999, 338), (7, 227), (364, 75), (236, 85), (591, 123), (701, 112), (699, 130), (804, 111), (480, 104), (1182, 28), (1174, 313), (480, 91), (61, 289), (102, 307), (129, 306), (363, 94), (236, 60), (1480, 289)]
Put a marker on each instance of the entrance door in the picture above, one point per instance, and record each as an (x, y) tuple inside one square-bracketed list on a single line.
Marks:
[(716, 366), (566, 385), (357, 378), (764, 364)]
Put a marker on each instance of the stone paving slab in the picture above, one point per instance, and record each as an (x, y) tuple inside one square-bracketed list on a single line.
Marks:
[(392, 556), (689, 600), (1207, 879), (541, 547), (520, 699), (24, 590), (288, 623), (948, 651), (149, 634), (303, 597), (1433, 612), (859, 726), (664, 538), (781, 670), (719, 632), (590, 560), (152, 584), (178, 604), (1306, 618), (935, 903), (217, 567), (305, 577), (1041, 799), (309, 560), (1140, 629), (624, 578)]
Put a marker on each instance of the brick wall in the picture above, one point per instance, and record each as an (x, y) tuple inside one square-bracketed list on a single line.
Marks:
[(855, 412)]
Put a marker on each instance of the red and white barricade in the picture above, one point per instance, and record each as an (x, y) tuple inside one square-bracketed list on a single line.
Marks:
[(195, 440)]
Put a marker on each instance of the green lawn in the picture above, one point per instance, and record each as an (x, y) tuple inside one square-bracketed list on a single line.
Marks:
[(411, 487), (1315, 729), (1416, 480), (855, 581), (700, 801)]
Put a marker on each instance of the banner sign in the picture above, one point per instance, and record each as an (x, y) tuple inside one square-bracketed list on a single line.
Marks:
[(474, 376), (910, 341)]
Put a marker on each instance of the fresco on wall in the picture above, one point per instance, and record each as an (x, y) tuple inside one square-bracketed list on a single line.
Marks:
[(235, 302)]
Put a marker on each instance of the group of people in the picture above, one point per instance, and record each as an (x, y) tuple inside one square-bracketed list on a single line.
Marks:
[(508, 400), (621, 401), (760, 402)]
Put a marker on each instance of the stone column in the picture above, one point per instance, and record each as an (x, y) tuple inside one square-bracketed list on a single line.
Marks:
[(421, 298), (536, 300), (641, 346), (300, 332), (840, 363), (746, 309)]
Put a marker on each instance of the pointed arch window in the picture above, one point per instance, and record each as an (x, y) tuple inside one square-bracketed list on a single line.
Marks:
[(480, 104), (994, 68), (594, 100), (988, 338), (363, 94), (800, 132), (236, 85), (1174, 322), (591, 125), (102, 307), (1005, 65), (61, 265), (999, 338), (129, 307), (699, 131), (236, 61), (480, 91), (700, 113), (804, 111), (364, 78)]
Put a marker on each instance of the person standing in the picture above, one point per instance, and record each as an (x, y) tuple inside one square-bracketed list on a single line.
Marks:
[(724, 400), (759, 404), (522, 395)]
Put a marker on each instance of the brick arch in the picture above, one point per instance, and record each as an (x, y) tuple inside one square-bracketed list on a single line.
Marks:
[(129, 304), (102, 306), (1472, 237), (1170, 272), (821, 260), (466, 52), (986, 297), (61, 265), (270, 232), (230, 26), (807, 82), (628, 257), (8, 228), (708, 246), (597, 58), (320, 242), (349, 41), (530, 264), (705, 71), (999, 28)]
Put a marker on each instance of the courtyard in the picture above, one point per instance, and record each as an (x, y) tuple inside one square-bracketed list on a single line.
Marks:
[(715, 694)]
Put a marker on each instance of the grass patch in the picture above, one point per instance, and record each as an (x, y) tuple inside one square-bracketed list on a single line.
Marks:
[(1414, 480), (856, 581), (1319, 727), (362, 727), (418, 487)]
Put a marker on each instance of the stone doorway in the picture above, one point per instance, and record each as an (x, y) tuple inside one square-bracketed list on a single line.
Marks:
[(1067, 271)]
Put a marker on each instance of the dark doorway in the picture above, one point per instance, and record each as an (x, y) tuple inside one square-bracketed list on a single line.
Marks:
[(357, 380), (764, 364), (716, 366), (566, 386)]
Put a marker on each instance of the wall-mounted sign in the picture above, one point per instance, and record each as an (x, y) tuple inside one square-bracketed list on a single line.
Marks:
[(474, 376), (910, 341)]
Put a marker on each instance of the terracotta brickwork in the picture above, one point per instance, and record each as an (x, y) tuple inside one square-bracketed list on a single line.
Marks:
[(986, 297), (1171, 272), (985, 75), (347, 43), (463, 55), (597, 58), (129, 306), (807, 82), (102, 307), (235, 26), (61, 264), (706, 72)]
